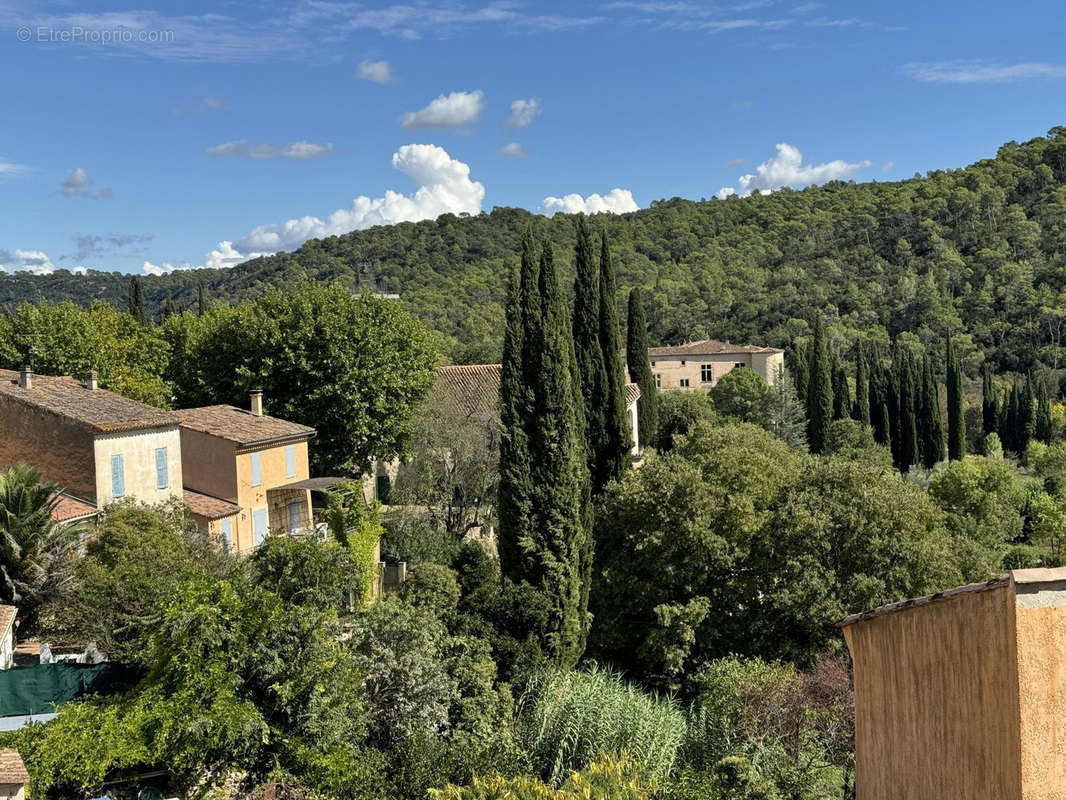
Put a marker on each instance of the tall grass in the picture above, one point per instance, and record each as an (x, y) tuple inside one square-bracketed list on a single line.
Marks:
[(568, 718)]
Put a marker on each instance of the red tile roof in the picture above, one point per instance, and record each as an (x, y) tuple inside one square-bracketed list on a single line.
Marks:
[(69, 508), (98, 409), (709, 347), (208, 507), (241, 426), (12, 770), (632, 394), (475, 388)]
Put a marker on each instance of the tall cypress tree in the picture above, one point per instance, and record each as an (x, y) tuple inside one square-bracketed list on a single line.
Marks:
[(799, 365), (908, 408), (930, 427), (1012, 424), (201, 299), (169, 309), (989, 402), (894, 403), (861, 409), (136, 301), (819, 389), (1042, 427), (956, 412), (612, 459), (640, 369), (545, 539), (841, 391), (588, 352), (1026, 414)]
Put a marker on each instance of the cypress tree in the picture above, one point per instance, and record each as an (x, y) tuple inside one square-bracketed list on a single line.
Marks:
[(799, 366), (931, 428), (588, 352), (908, 419), (841, 392), (1026, 414), (640, 369), (1042, 428), (169, 309), (819, 389), (989, 402), (201, 299), (136, 301), (956, 417), (861, 409), (1012, 425), (612, 459), (880, 417), (893, 402)]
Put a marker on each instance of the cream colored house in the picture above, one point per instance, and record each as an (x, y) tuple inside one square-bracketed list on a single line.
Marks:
[(700, 365), (7, 636), (246, 473), (13, 775), (99, 446)]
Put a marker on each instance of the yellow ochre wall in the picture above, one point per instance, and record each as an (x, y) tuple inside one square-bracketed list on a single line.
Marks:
[(272, 473), (936, 701)]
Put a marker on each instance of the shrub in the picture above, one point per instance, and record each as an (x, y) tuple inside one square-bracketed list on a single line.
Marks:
[(604, 779)]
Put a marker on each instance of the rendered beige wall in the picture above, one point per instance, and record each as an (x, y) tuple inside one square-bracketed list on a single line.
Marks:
[(12, 791), (671, 371), (208, 464), (138, 460), (936, 701)]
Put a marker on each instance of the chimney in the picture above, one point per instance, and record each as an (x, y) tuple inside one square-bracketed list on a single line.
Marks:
[(26, 377), (256, 402), (90, 381)]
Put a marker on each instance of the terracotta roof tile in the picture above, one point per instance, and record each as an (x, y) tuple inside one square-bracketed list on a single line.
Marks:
[(7, 616), (12, 770), (97, 409), (709, 347), (241, 426), (632, 394), (204, 505), (69, 508)]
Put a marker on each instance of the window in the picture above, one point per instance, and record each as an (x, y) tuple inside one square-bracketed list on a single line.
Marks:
[(118, 476), (653, 363), (384, 487), (257, 474), (684, 383), (658, 382), (259, 526), (739, 365), (290, 461), (294, 516), (162, 480), (225, 532), (682, 362), (706, 373)]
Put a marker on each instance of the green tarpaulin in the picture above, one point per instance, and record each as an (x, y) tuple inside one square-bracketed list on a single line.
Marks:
[(38, 689)]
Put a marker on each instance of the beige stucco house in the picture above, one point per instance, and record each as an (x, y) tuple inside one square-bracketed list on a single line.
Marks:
[(962, 694), (700, 365), (8, 615), (246, 473), (99, 446), (13, 775)]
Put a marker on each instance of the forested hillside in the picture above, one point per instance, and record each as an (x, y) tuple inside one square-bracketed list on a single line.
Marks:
[(979, 251)]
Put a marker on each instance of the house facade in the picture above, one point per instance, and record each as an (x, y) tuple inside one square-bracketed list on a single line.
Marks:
[(243, 473), (700, 365), (13, 775), (99, 446), (8, 614), (962, 694)]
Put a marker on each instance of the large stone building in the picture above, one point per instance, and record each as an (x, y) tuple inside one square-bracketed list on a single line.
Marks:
[(962, 694), (700, 365)]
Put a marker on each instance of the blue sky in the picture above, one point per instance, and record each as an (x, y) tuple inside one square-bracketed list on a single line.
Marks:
[(201, 134)]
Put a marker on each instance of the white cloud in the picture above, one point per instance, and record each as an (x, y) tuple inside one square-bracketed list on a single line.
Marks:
[(523, 112), (379, 72), (77, 184), (725, 191), (787, 169), (616, 201), (33, 261), (514, 150), (457, 108), (293, 151), (80, 271), (10, 169), (981, 71), (202, 106)]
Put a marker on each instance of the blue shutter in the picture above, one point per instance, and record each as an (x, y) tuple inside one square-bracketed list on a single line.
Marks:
[(290, 461), (225, 527), (257, 477), (118, 476), (259, 526), (161, 477)]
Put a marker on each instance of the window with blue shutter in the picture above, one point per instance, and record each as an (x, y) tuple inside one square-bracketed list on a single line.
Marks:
[(290, 461), (225, 529), (259, 526), (161, 478), (257, 477), (118, 476)]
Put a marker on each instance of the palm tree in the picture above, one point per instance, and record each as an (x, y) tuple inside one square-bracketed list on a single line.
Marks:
[(36, 553)]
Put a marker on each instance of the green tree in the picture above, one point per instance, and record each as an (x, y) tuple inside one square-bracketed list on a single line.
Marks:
[(742, 395), (930, 428), (956, 410), (679, 413), (989, 401), (1042, 425), (819, 389), (861, 409), (135, 308), (37, 555), (201, 299), (169, 309), (640, 369), (589, 353), (841, 391), (786, 416), (616, 445)]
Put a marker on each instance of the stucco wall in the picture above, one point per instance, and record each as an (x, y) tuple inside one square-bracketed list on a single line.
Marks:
[(1041, 629), (671, 371), (936, 701), (272, 475), (59, 449), (208, 464), (12, 791), (7, 647), (138, 460)]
